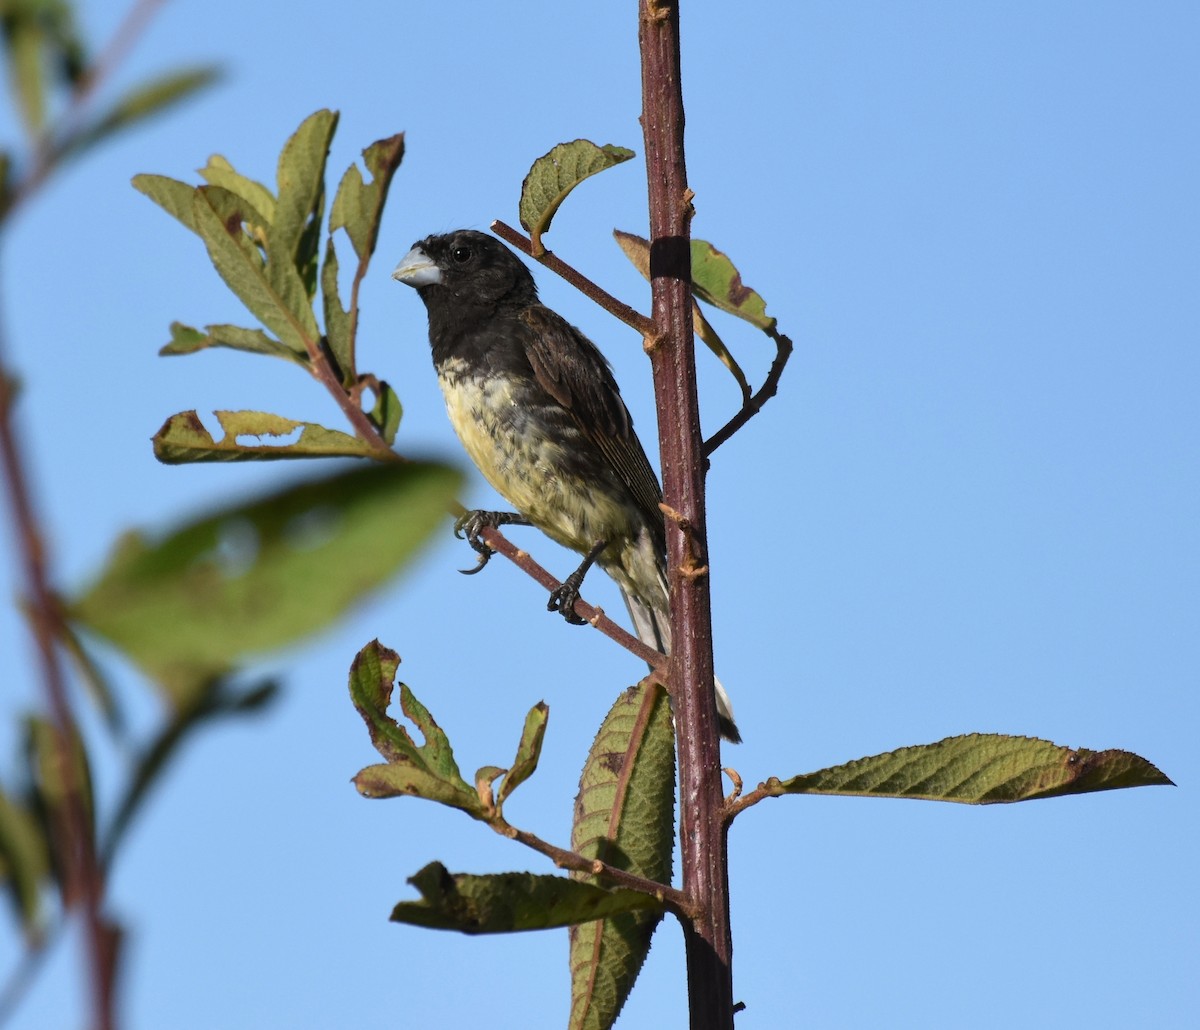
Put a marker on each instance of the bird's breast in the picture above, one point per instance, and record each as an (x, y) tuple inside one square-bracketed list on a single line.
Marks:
[(532, 452)]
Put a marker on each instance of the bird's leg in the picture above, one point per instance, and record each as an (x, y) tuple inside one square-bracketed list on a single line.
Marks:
[(470, 524), (563, 597)]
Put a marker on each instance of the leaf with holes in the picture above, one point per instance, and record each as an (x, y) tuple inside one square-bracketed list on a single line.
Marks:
[(428, 770), (509, 902), (183, 439)]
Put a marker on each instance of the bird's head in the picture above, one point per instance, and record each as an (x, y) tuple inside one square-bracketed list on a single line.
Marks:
[(466, 269)]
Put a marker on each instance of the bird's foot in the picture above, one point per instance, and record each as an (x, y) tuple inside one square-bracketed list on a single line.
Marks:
[(471, 524), (564, 596)]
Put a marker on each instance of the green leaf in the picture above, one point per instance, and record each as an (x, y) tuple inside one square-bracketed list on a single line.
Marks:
[(187, 340), (978, 769), (624, 815), (295, 234), (183, 439), (339, 327), (27, 70), (275, 297), (508, 902), (554, 175), (428, 771), (529, 750), (637, 249), (150, 98), (58, 768), (175, 197), (387, 412), (358, 206), (717, 282), (24, 863), (190, 604), (219, 172)]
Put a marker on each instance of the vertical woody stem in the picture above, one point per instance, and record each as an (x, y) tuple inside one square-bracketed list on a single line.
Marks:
[(702, 833)]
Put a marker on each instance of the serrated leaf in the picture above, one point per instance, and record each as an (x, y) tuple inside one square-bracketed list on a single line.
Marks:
[(637, 249), (554, 175), (24, 863), (339, 330), (275, 299), (510, 902), (183, 439), (427, 771), (144, 101), (529, 750), (978, 769), (624, 815), (292, 244), (187, 340), (386, 413), (717, 282), (191, 603), (219, 172), (358, 206)]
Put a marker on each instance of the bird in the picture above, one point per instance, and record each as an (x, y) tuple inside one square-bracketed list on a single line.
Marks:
[(537, 409)]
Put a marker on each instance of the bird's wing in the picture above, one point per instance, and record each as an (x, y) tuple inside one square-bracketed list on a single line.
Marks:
[(570, 368)]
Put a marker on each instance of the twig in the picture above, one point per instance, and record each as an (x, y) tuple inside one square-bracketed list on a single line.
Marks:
[(753, 405), (619, 309), (83, 878), (57, 139), (595, 616), (675, 900), (74, 843)]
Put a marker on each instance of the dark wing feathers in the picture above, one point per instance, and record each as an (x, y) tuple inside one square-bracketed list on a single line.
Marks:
[(569, 367)]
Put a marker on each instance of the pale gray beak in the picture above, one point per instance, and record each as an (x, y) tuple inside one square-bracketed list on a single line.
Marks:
[(416, 269)]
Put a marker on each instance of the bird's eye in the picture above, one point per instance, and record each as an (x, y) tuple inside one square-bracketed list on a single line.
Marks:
[(461, 254)]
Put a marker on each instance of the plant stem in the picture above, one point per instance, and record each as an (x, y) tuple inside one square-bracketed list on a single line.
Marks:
[(702, 830), (74, 844), (632, 318)]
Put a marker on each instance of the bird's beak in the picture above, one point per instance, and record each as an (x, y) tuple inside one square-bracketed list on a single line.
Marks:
[(416, 269)]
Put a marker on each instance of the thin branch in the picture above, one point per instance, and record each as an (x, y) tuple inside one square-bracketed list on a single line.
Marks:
[(753, 405), (595, 616), (735, 804), (619, 309), (676, 901), (74, 844), (57, 139), (348, 401)]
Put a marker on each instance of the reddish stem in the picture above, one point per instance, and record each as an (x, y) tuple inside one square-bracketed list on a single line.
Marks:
[(702, 829)]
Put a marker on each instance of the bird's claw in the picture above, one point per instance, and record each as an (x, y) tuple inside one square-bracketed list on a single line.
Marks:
[(562, 600), (467, 527), (470, 525)]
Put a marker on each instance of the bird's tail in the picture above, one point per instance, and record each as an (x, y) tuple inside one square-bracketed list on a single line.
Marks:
[(653, 628)]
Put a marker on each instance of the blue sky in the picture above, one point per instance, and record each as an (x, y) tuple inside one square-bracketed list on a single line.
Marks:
[(973, 505)]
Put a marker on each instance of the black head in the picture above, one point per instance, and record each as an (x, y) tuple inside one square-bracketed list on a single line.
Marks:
[(466, 270)]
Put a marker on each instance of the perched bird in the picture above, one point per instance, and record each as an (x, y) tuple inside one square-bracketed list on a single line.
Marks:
[(536, 407)]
